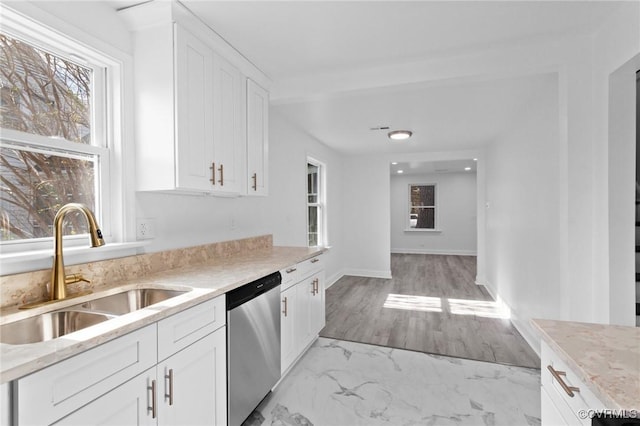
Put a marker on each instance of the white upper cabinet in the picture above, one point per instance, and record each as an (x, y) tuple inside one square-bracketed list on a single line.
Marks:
[(194, 147), (257, 139), (228, 146), (193, 106)]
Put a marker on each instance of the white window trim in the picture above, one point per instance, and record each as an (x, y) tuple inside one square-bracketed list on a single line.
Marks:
[(117, 199), (321, 204), (436, 228)]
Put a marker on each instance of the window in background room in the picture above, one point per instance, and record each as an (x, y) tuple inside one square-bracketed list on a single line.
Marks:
[(53, 147), (422, 206), (315, 203)]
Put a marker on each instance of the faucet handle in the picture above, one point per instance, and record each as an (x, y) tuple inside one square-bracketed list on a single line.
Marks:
[(75, 278)]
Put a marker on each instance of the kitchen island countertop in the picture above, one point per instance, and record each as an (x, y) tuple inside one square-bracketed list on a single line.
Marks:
[(605, 357)]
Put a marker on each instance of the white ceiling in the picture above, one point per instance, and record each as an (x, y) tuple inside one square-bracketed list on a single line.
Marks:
[(291, 40), (448, 117), (285, 38)]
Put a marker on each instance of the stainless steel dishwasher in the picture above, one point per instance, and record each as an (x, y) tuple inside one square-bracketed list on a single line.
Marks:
[(253, 345)]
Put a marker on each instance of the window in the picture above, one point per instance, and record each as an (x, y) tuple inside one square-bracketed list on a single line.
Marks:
[(315, 203), (55, 116), (422, 206)]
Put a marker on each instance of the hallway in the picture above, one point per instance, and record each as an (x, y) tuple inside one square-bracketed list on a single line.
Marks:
[(431, 305)]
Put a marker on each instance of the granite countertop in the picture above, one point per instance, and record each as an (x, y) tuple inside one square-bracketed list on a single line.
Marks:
[(605, 357), (208, 280)]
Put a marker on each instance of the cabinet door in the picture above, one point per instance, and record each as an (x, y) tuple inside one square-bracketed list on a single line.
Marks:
[(194, 111), (193, 384), (229, 147), (303, 331), (317, 304), (128, 404), (288, 348), (257, 139), (551, 416)]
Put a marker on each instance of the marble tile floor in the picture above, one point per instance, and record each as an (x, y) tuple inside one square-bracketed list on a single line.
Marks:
[(341, 383)]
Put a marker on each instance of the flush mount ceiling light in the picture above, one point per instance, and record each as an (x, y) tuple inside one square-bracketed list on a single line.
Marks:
[(400, 135)]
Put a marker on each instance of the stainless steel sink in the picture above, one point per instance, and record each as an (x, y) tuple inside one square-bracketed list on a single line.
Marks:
[(49, 325), (128, 301)]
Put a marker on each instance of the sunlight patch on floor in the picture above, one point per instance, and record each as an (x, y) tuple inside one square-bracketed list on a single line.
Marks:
[(413, 303), (479, 308)]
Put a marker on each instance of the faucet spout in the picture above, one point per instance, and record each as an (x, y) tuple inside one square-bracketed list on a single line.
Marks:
[(58, 289)]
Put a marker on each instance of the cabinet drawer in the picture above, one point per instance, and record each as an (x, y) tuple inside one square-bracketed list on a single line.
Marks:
[(289, 277), (54, 392), (583, 398), (310, 266), (184, 328)]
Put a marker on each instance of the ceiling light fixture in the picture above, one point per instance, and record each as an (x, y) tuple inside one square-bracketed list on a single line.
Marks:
[(400, 135), (475, 159), (400, 171), (394, 163), (467, 168)]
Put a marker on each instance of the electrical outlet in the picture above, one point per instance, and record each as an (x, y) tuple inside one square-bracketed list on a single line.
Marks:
[(145, 228)]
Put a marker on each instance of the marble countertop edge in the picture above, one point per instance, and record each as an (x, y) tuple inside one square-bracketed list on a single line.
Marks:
[(207, 281)]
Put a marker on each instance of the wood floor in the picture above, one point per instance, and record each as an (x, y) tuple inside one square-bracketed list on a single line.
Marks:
[(431, 305)]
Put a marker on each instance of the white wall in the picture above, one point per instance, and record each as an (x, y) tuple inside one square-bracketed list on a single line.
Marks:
[(616, 57), (456, 213), (367, 216), (523, 220), (286, 205)]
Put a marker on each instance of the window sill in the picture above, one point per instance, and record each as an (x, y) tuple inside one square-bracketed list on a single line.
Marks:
[(15, 263), (433, 231)]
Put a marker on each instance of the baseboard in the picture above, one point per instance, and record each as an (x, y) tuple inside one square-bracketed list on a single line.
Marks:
[(434, 251), (369, 273), (333, 279), (532, 340)]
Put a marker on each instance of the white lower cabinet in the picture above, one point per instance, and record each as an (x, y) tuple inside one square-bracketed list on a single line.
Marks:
[(288, 349), (193, 384), (128, 404), (565, 398), (172, 372), (303, 312)]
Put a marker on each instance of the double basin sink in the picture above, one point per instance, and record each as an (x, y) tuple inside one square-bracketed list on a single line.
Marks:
[(54, 324)]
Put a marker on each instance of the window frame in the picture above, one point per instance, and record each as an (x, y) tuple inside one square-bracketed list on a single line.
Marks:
[(320, 203), (435, 228), (107, 111)]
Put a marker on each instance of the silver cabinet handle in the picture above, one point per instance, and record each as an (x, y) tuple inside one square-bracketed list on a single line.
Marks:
[(290, 270), (153, 399), (221, 170), (315, 260), (558, 376), (285, 306), (170, 377)]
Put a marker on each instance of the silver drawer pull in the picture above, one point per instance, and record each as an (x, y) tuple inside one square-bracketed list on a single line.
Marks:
[(557, 375), (290, 270), (315, 260)]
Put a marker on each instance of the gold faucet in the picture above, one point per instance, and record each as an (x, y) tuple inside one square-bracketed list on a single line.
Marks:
[(58, 290)]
